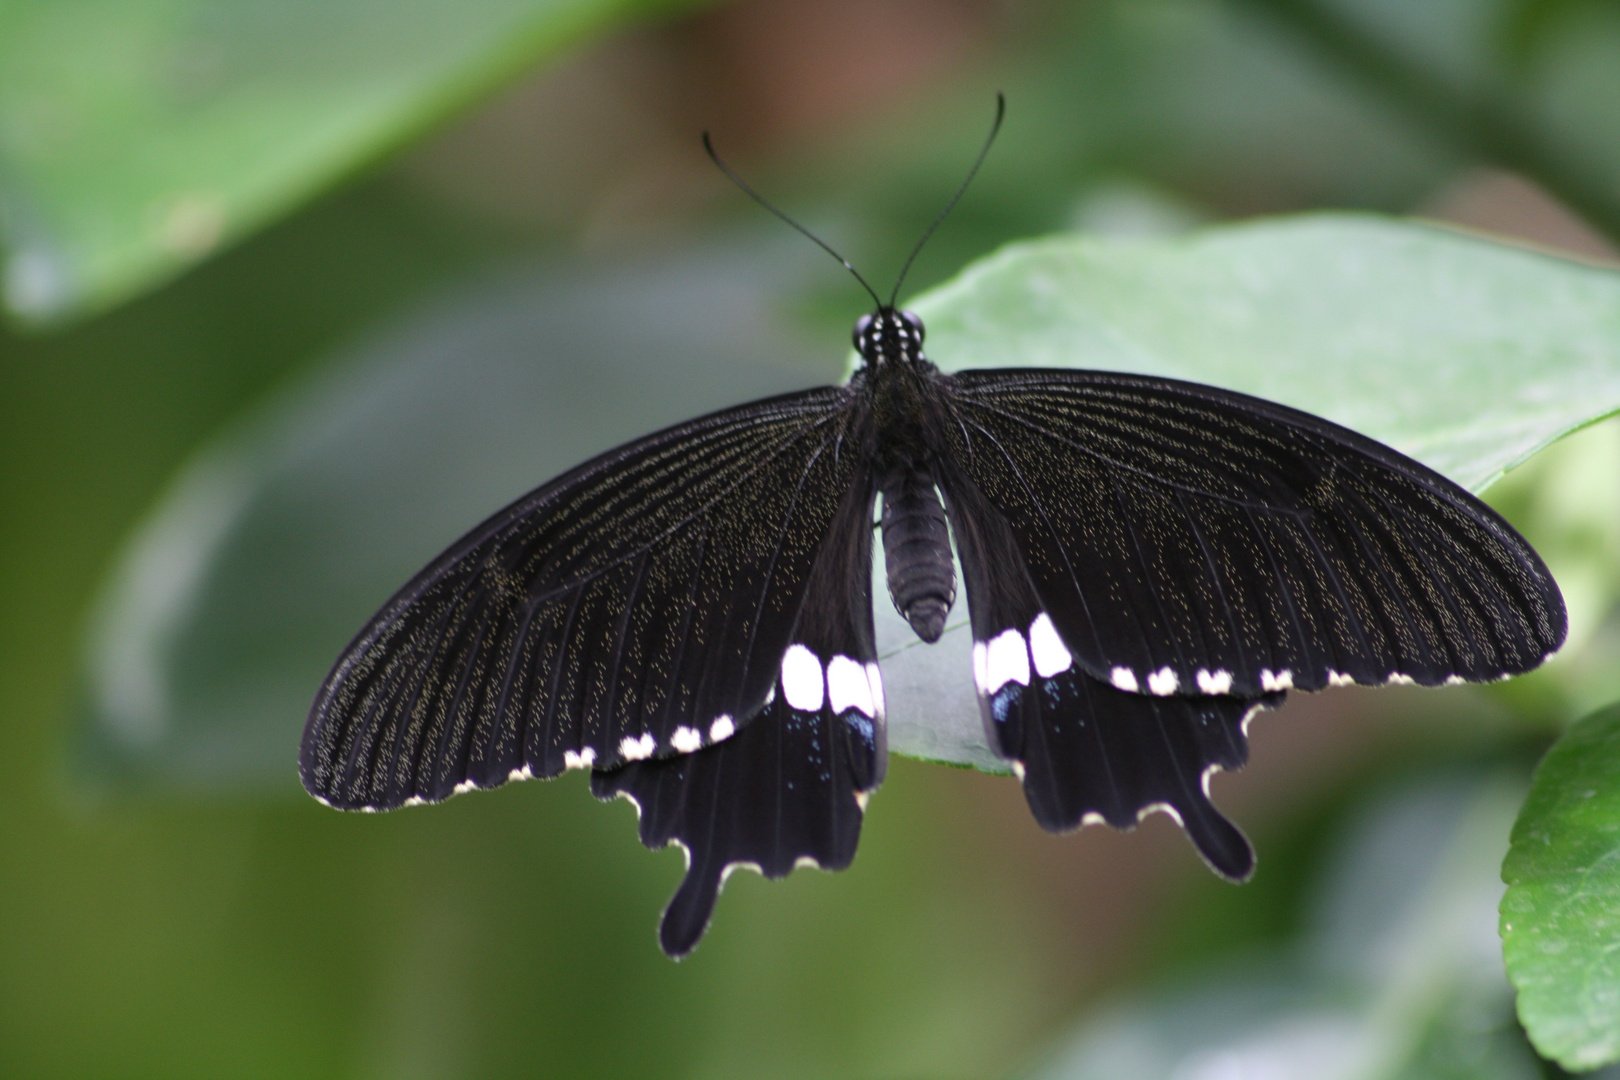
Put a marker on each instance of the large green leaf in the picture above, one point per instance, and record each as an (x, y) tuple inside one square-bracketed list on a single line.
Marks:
[(274, 546), (1561, 914), (137, 136)]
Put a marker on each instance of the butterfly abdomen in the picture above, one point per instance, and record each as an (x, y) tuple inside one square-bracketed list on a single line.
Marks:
[(917, 550)]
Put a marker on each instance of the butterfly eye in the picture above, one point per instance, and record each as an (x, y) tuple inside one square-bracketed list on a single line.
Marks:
[(862, 324), (915, 324)]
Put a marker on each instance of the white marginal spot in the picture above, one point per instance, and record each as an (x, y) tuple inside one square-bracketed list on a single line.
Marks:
[(464, 786), (770, 696), (981, 667), (1218, 681), (1124, 679), (874, 679), (722, 728), (686, 739), (1018, 770), (849, 688), (520, 774), (579, 759), (414, 800), (1454, 680), (730, 867), (634, 749), (1281, 680), (1091, 817), (1254, 710), (1209, 771), (324, 801), (1046, 648), (861, 798), (1008, 661), (1336, 678), (806, 860), (368, 810), (1159, 808), (1163, 682), (1397, 679), (802, 682), (631, 799)]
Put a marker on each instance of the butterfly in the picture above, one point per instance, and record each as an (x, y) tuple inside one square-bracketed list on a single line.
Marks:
[(1147, 563)]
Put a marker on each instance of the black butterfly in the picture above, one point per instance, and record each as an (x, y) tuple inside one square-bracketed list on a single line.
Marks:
[(1147, 563)]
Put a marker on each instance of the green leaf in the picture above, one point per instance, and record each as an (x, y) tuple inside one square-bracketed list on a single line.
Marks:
[(1561, 915), (137, 136), (277, 544)]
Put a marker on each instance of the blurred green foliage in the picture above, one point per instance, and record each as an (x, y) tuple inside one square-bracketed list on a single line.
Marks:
[(137, 136), (169, 929)]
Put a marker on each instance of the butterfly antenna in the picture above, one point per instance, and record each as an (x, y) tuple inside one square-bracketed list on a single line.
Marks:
[(757, 197), (1001, 111)]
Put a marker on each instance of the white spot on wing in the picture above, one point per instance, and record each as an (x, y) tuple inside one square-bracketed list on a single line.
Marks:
[(581, 759), (1163, 682), (1281, 680), (634, 749), (848, 687), (1124, 679), (1218, 681), (730, 868), (874, 679), (722, 728), (802, 682), (1008, 661), (1047, 648), (1159, 808), (686, 739)]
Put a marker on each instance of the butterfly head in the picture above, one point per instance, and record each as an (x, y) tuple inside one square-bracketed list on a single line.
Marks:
[(889, 335)]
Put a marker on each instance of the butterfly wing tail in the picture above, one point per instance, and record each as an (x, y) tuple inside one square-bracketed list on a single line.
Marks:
[(783, 792)]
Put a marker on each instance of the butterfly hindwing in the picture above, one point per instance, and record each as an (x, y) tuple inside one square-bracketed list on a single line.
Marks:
[(1191, 540), (790, 787), (1084, 750), (630, 609)]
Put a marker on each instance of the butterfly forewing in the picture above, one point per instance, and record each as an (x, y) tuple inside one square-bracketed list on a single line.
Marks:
[(1189, 540), (634, 608), (790, 787)]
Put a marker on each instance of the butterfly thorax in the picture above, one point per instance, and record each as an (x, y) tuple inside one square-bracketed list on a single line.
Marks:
[(904, 402)]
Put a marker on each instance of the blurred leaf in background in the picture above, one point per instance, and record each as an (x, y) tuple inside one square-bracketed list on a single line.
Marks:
[(138, 136), (1397, 972), (171, 929)]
